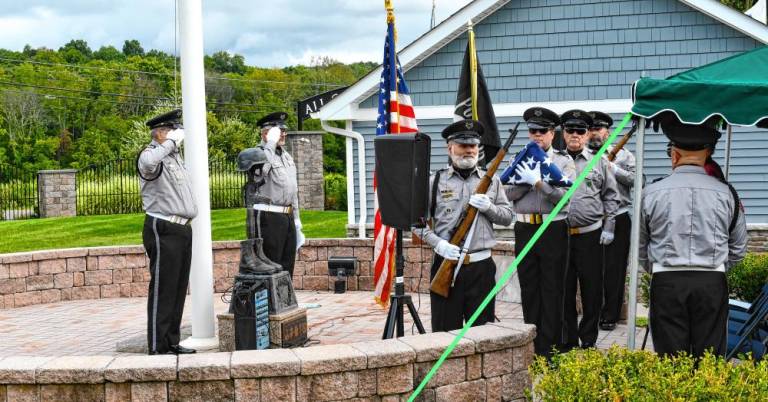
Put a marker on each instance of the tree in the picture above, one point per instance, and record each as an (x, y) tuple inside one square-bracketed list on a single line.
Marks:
[(223, 62), (108, 53), (76, 51), (741, 5), (132, 47)]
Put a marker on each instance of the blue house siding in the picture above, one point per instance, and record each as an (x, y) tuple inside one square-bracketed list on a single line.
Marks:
[(563, 50), (749, 168), (580, 50)]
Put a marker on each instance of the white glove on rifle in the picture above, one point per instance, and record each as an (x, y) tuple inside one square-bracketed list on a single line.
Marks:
[(606, 238), (300, 239), (273, 135), (480, 201), (177, 136), (448, 250), (528, 175)]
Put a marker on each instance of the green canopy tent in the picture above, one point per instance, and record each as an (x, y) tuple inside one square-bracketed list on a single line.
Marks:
[(735, 88)]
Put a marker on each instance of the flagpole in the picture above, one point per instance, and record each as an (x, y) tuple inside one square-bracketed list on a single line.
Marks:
[(472, 69), (393, 58)]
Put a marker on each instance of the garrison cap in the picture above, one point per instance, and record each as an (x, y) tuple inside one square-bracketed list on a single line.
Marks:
[(464, 132), (576, 119), (170, 119), (600, 120), (539, 117), (691, 137), (276, 119)]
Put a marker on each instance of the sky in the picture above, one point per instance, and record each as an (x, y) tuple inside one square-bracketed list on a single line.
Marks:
[(268, 33)]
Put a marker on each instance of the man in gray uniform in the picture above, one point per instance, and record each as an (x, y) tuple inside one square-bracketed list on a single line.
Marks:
[(278, 221), (542, 271), (592, 208), (691, 232), (616, 253), (167, 199), (451, 190)]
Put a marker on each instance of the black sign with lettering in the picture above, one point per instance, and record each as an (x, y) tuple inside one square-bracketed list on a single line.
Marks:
[(313, 104)]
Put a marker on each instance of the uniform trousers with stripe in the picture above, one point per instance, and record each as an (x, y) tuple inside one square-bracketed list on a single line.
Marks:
[(586, 266), (279, 233), (542, 275), (689, 312), (473, 283), (169, 247), (615, 270)]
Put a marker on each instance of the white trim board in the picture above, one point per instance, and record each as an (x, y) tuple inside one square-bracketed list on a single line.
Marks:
[(343, 107), (506, 109)]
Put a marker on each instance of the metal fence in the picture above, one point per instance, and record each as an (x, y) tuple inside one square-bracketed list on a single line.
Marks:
[(18, 194), (113, 187)]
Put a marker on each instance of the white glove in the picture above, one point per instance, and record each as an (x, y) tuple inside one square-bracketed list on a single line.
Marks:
[(480, 201), (528, 175), (177, 136), (273, 135), (300, 239), (297, 223), (448, 250), (606, 238)]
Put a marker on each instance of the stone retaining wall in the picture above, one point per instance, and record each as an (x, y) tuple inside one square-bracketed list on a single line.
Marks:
[(489, 363), (107, 272)]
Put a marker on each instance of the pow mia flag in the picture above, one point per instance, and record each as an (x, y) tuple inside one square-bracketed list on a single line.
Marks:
[(490, 143)]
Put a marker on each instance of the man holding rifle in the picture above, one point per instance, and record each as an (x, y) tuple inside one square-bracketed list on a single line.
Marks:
[(542, 272), (451, 189), (622, 166)]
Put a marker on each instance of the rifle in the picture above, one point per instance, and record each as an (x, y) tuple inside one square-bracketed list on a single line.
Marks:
[(619, 145), (443, 280)]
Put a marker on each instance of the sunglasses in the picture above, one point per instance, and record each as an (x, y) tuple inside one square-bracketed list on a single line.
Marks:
[(579, 131), (540, 131)]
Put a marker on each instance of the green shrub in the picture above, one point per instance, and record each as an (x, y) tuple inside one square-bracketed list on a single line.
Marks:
[(747, 278), (619, 374), (335, 191)]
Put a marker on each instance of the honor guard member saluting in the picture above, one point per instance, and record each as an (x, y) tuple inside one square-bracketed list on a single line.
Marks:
[(591, 217), (691, 232), (542, 271), (616, 253), (451, 189), (167, 199), (278, 222)]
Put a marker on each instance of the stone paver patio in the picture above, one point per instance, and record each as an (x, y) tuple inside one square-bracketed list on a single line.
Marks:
[(93, 327)]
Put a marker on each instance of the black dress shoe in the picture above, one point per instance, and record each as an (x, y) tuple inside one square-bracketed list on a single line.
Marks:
[(587, 345), (607, 325), (181, 350), (168, 352)]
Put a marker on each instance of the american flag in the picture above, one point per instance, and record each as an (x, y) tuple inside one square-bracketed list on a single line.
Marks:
[(396, 116)]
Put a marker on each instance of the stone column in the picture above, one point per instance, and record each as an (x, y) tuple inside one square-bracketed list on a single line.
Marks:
[(306, 147), (56, 192)]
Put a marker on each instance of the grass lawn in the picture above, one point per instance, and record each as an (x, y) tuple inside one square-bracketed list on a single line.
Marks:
[(113, 230)]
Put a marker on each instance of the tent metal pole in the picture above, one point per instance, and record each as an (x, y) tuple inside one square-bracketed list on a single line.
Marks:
[(634, 241), (728, 139)]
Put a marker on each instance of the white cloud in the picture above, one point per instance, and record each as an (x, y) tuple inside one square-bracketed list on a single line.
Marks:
[(267, 33)]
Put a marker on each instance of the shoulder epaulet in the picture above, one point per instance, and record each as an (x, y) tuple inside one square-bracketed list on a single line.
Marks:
[(659, 179), (153, 146)]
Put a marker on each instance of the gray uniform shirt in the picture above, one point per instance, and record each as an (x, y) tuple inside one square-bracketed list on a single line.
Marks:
[(597, 198), (170, 193), (625, 176), (279, 174), (527, 199), (684, 222), (453, 194)]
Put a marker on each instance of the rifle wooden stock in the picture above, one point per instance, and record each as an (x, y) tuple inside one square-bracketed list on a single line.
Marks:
[(441, 283), (619, 145)]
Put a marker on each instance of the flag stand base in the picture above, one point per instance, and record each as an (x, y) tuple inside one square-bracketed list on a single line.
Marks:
[(400, 299)]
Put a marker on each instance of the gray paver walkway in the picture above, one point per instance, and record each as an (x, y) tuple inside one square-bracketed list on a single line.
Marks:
[(90, 327)]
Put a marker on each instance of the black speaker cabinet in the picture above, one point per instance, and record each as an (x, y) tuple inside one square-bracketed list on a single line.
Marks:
[(402, 175)]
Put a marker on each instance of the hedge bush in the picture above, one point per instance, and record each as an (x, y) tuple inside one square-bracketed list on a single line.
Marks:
[(335, 192), (747, 278), (619, 374)]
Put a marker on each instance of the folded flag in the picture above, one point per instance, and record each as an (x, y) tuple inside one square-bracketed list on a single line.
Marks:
[(532, 155)]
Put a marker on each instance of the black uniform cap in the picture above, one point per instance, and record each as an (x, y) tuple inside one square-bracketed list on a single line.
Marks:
[(276, 119), (464, 132), (691, 137), (170, 119), (600, 120), (541, 118), (576, 119)]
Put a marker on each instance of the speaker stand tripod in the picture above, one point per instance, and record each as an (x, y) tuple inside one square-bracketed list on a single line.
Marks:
[(400, 299)]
